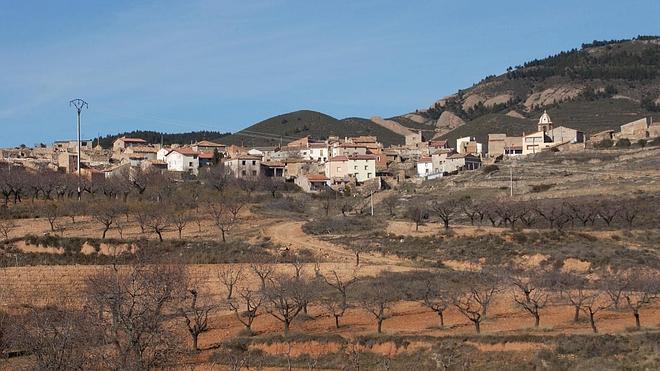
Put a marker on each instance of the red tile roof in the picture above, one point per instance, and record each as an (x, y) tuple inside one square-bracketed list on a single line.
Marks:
[(317, 178)]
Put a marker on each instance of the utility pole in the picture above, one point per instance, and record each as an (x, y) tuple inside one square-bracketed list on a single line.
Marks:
[(79, 104), (511, 177), (371, 202)]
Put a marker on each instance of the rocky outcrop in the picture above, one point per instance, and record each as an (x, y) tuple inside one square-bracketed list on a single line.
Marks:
[(516, 114), (552, 96), (447, 122), (392, 126), (416, 118), (472, 100), (498, 99)]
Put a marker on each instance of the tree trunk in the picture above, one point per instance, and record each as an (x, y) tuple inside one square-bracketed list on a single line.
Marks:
[(477, 326), (357, 258), (380, 325), (446, 222), (442, 319), (336, 321), (637, 322), (105, 231), (223, 236), (416, 227), (593, 323), (194, 342), (179, 233), (537, 319), (576, 317), (160, 235), (286, 327)]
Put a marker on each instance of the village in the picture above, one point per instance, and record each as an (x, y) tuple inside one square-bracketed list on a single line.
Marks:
[(353, 163)]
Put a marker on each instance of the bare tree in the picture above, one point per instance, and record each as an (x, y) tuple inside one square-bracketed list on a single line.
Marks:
[(417, 213), (641, 292), (55, 337), (446, 210), (286, 298), (251, 302), (391, 202), (180, 219), (377, 297), (229, 275), (614, 284), (225, 214), (607, 211), (133, 307), (7, 226), (436, 298), (337, 302), (529, 295), (52, 213), (106, 213), (475, 298), (159, 221), (575, 288), (594, 302), (196, 316), (263, 272)]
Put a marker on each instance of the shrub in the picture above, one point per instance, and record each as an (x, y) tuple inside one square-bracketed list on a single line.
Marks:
[(641, 143), (537, 188), (605, 143), (490, 169), (334, 225), (622, 143)]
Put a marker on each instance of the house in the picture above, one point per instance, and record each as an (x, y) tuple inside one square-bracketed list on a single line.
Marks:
[(461, 161), (563, 134), (496, 144), (438, 144), (274, 169), (208, 146), (72, 145), (468, 145), (147, 152), (312, 182), (536, 142), (67, 162), (244, 166), (602, 135), (634, 130), (359, 167), (654, 129), (424, 167), (413, 139), (183, 160), (206, 159), (348, 149), (120, 144)]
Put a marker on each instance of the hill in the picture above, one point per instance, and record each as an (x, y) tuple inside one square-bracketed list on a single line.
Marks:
[(154, 137), (298, 124), (600, 86)]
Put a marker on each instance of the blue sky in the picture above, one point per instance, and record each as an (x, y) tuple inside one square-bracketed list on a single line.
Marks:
[(224, 65)]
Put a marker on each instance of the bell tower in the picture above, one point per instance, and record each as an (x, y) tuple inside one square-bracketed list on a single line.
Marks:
[(545, 123)]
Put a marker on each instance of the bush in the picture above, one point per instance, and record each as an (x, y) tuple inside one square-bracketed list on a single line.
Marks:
[(490, 169), (622, 143), (605, 143), (341, 224), (641, 143), (537, 188)]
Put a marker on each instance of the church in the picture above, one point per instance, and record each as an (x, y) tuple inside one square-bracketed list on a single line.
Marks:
[(548, 136)]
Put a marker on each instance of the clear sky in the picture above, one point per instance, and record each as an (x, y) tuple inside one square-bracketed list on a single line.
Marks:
[(224, 65)]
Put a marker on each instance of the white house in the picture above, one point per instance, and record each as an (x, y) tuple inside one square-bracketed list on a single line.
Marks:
[(183, 160), (424, 167)]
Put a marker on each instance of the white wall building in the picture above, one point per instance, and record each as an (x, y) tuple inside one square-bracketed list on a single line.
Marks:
[(183, 160)]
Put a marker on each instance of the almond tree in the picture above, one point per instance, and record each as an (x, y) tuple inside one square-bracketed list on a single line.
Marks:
[(263, 272), (285, 298), (529, 294), (641, 292), (474, 299), (595, 301), (337, 302), (106, 213), (446, 210), (229, 275), (251, 302), (417, 213), (436, 298), (196, 317), (6, 227), (225, 214), (377, 297)]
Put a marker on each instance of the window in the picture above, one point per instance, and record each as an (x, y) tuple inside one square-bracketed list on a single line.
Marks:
[(338, 169), (366, 167), (190, 164), (254, 172), (243, 162), (254, 162), (243, 173), (368, 175), (355, 167)]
